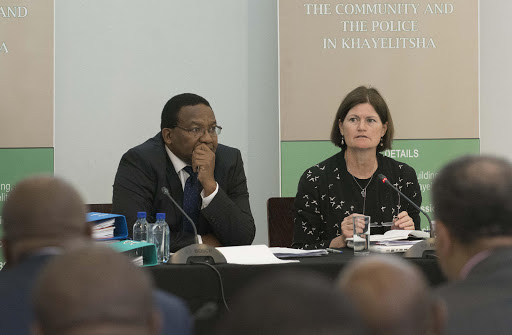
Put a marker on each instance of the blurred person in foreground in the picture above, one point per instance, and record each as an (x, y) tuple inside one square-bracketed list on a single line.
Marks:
[(291, 303), (333, 191), (43, 217), (472, 199), (392, 296), (94, 291)]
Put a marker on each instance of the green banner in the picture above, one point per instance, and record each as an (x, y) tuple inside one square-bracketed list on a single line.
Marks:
[(425, 156), (18, 164)]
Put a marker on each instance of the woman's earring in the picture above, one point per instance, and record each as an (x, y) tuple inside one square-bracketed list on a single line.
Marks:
[(381, 144), (342, 140)]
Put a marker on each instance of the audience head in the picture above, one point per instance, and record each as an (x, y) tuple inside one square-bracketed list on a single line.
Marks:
[(94, 290), (174, 105), (291, 303), (363, 95), (42, 212), (392, 295), (472, 198)]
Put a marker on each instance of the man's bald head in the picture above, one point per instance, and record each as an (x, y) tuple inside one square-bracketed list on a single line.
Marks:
[(40, 212), (94, 290), (391, 294)]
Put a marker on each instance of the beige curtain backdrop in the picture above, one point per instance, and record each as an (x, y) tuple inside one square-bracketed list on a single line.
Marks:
[(26, 72), (432, 92)]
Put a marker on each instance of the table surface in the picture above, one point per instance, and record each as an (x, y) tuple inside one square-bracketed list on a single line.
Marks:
[(199, 285)]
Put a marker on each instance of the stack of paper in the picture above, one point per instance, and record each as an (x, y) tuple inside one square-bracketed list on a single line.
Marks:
[(395, 240), (139, 260), (398, 242), (392, 246), (103, 229), (398, 234), (290, 252)]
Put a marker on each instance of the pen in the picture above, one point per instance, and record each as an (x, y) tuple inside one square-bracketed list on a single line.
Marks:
[(334, 251)]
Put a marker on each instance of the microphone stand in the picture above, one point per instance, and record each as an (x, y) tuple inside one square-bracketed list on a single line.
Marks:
[(423, 248), (200, 253)]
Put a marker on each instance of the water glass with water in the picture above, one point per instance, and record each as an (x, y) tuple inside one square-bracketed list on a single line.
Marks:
[(361, 235)]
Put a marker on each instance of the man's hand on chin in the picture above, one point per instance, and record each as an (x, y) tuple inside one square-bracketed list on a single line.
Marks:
[(203, 162)]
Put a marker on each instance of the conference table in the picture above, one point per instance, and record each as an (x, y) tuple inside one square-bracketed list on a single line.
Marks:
[(199, 284)]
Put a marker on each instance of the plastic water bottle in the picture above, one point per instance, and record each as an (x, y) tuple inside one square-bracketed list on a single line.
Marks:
[(140, 228), (160, 238)]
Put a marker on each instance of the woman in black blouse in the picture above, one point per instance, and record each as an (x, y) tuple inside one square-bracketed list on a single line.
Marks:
[(346, 184)]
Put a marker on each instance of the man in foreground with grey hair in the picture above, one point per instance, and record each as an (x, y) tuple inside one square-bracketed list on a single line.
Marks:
[(392, 296)]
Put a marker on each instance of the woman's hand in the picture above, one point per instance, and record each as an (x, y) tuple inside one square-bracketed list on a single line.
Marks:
[(347, 231), (347, 226), (403, 221), (338, 242)]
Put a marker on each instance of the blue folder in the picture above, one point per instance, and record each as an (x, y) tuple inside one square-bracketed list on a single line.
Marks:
[(120, 227)]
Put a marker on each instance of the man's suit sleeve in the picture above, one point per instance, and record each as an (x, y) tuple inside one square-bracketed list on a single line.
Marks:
[(229, 213), (134, 188)]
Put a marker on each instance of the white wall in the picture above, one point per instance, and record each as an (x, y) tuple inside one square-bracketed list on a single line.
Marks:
[(118, 61), (495, 77)]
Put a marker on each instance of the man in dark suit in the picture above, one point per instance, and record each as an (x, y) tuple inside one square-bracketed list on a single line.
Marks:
[(44, 217), (472, 198), (186, 150)]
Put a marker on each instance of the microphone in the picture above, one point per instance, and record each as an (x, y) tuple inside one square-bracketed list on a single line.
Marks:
[(422, 248), (200, 253), (386, 181), (166, 192)]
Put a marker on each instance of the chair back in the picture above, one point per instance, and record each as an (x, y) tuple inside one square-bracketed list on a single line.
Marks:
[(100, 208), (280, 214)]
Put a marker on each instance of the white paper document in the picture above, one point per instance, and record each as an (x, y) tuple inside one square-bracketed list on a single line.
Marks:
[(251, 255)]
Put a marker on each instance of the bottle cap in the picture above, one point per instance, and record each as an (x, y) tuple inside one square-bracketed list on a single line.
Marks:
[(141, 215), (160, 216)]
